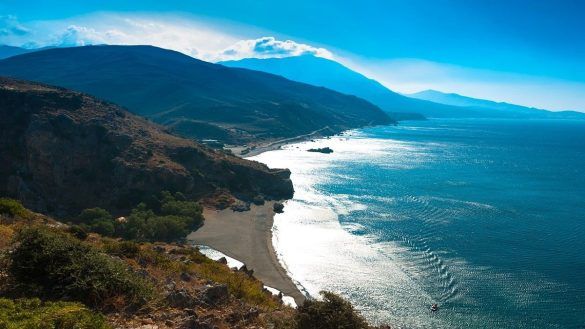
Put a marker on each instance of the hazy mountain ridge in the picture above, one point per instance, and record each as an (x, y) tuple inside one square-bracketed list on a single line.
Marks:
[(9, 51), (512, 109), (330, 74), (200, 99)]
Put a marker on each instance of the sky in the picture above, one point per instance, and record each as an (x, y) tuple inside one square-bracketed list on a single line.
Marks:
[(525, 52)]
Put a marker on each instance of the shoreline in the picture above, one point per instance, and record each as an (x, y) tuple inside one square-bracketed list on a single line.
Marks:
[(247, 237), (275, 145)]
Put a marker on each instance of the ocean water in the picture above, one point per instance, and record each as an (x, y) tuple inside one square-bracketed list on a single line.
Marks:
[(484, 217)]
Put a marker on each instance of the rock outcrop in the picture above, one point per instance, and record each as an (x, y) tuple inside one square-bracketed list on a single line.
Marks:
[(63, 151)]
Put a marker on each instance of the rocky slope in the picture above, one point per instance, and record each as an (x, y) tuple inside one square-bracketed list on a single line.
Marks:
[(62, 151), (196, 98)]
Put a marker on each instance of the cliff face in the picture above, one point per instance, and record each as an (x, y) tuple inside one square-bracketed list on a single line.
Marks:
[(62, 151)]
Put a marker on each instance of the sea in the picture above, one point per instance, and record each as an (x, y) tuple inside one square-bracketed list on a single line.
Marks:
[(485, 218)]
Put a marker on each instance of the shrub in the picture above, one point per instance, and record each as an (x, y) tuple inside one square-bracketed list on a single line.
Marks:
[(34, 314), (127, 249), (6, 234), (167, 218), (333, 312), (97, 220), (13, 208), (94, 214), (54, 264), (78, 232)]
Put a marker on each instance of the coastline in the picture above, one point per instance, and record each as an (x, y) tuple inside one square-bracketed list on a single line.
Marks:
[(275, 145), (247, 237)]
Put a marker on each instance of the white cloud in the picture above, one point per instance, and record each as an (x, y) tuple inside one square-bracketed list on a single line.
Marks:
[(188, 35), (185, 35), (269, 47)]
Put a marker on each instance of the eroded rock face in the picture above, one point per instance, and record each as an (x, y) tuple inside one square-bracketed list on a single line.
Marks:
[(61, 152)]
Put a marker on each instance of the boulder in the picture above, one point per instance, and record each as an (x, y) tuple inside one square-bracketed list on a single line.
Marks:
[(185, 277), (182, 298), (278, 207), (214, 294)]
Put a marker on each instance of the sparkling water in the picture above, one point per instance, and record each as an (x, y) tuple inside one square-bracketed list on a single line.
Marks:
[(484, 217)]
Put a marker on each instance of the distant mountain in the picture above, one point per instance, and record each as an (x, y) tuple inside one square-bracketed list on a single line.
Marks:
[(196, 98), (9, 51), (330, 74), (62, 151), (494, 107)]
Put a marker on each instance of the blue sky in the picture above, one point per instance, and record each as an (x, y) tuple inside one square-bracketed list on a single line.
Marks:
[(528, 52)]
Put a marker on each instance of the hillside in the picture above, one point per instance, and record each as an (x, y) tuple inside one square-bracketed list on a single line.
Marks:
[(330, 74), (62, 151), (56, 275), (495, 107), (196, 98)]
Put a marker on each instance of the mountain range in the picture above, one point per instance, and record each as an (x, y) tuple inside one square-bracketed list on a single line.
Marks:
[(331, 74), (195, 98), (498, 107)]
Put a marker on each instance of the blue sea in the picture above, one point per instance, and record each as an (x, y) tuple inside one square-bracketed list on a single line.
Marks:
[(484, 217)]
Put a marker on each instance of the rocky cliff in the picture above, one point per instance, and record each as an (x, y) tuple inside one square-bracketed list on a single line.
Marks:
[(63, 151)]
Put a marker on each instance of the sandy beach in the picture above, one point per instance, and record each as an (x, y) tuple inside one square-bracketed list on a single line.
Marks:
[(247, 237)]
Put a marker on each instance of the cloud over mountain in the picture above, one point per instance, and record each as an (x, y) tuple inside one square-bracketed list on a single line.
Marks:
[(269, 47), (191, 36)]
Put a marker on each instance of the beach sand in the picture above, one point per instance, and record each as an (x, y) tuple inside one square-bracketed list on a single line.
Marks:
[(247, 237)]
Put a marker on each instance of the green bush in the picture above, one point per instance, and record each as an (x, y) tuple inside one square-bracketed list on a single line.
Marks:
[(167, 218), (34, 314), (78, 232), (13, 208), (127, 249), (333, 312), (54, 264), (97, 220)]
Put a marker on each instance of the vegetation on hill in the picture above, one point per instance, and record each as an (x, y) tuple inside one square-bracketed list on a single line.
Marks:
[(49, 278), (333, 312), (32, 313), (52, 264), (168, 218), (62, 152)]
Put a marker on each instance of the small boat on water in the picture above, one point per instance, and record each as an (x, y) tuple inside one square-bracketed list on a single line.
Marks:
[(434, 307)]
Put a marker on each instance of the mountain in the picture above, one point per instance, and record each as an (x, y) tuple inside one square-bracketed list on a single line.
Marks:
[(495, 107), (62, 151), (9, 51), (330, 74), (193, 97)]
